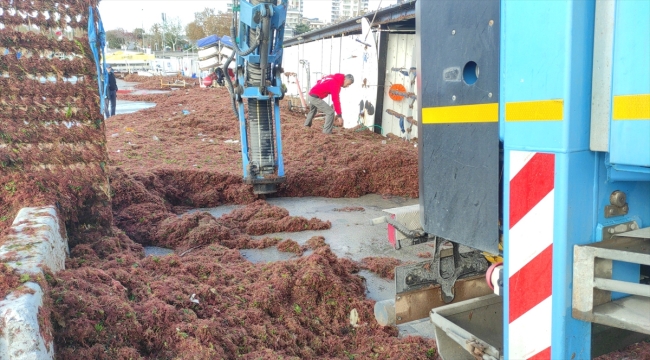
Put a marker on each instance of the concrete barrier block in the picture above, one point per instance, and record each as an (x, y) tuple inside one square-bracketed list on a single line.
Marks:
[(34, 242), (21, 337)]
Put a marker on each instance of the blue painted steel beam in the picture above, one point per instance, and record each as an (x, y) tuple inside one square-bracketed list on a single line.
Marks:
[(278, 140), (244, 139), (546, 82), (546, 57)]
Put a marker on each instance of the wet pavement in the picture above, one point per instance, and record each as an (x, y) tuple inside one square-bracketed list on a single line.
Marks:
[(351, 235), (125, 85), (156, 251), (127, 106)]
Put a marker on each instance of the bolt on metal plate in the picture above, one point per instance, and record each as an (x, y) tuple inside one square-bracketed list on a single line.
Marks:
[(613, 211), (610, 231)]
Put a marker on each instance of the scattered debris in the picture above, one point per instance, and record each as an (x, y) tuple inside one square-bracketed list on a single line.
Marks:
[(193, 299), (350, 209), (354, 318)]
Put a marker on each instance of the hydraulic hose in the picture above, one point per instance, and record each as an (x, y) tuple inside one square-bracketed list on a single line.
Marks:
[(231, 90), (264, 53), (236, 47)]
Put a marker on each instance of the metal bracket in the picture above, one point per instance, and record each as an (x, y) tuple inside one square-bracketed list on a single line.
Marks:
[(441, 270), (611, 231), (613, 210)]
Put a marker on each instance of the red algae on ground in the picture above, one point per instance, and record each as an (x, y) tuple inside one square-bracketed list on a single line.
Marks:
[(215, 304), (9, 280), (382, 266), (289, 245)]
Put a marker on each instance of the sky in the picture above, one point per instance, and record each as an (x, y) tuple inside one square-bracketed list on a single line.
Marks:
[(131, 14)]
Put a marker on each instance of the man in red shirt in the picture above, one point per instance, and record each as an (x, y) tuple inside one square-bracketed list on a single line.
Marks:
[(329, 85)]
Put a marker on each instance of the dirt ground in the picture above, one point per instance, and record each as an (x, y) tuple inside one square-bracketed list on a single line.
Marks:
[(206, 300)]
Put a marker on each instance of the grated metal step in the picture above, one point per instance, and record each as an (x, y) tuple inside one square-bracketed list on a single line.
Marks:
[(593, 284)]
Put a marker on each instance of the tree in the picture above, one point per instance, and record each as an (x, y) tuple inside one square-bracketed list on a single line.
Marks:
[(194, 32), (172, 32), (208, 22), (156, 36), (139, 33), (114, 39), (301, 28), (118, 38)]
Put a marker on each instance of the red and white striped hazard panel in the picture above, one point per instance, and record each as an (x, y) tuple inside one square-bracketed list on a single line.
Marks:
[(530, 256)]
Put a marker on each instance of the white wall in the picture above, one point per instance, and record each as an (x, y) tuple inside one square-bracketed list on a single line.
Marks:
[(329, 56), (401, 48)]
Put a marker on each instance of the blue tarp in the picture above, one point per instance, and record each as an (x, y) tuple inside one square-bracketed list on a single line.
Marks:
[(207, 41), (226, 40)]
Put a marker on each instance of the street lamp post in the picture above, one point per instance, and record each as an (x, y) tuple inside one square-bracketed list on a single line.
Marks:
[(143, 30), (164, 19)]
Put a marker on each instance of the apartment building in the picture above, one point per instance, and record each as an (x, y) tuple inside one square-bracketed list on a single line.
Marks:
[(294, 17), (345, 9), (296, 4), (314, 23)]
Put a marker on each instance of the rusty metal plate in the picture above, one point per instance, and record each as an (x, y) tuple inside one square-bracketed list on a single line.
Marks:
[(415, 305)]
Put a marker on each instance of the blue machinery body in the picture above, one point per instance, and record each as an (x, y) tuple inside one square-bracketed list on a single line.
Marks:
[(552, 138), (258, 33)]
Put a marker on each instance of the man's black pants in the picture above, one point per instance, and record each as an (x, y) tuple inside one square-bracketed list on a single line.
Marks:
[(112, 97)]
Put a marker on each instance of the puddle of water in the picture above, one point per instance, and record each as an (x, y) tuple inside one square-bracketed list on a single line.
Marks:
[(127, 107), (124, 85), (157, 251), (147, 92), (268, 255), (378, 288)]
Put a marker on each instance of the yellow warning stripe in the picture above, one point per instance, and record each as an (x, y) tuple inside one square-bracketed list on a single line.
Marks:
[(543, 110), (631, 107), (476, 113)]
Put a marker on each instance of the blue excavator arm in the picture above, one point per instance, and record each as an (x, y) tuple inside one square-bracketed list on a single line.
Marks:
[(257, 33)]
